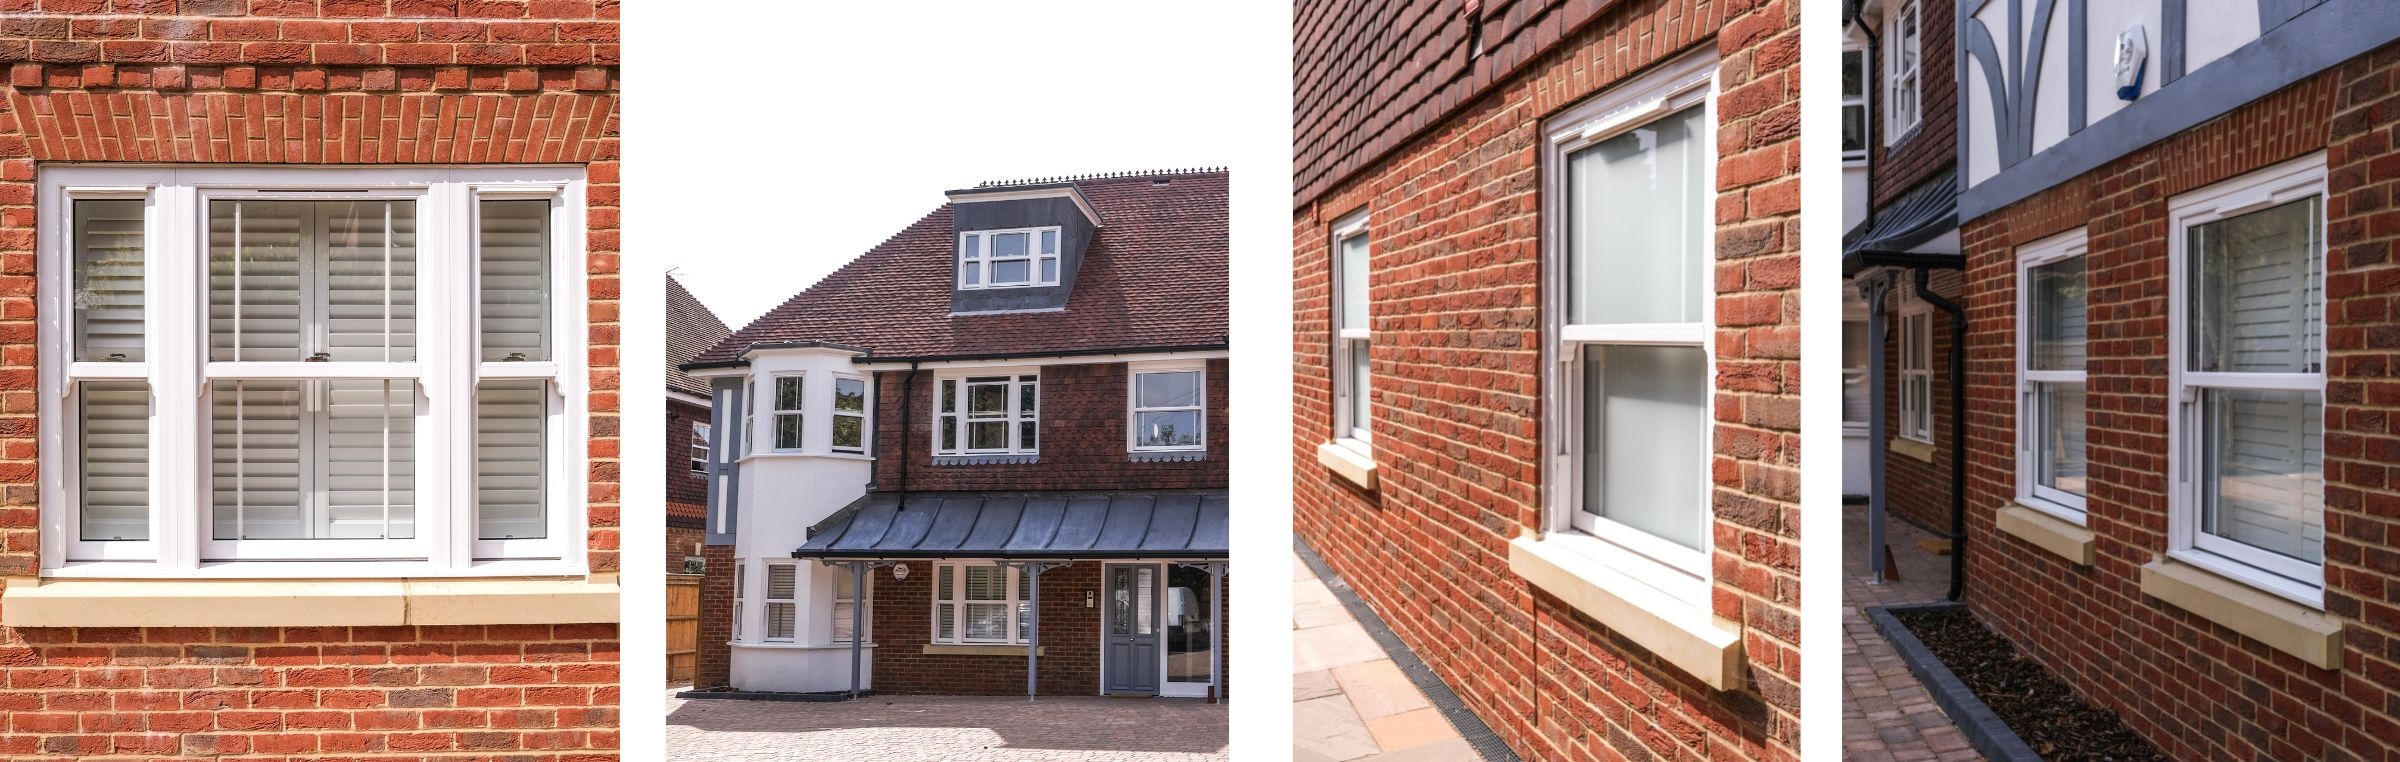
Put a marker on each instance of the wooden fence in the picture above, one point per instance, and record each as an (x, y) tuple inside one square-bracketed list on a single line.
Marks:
[(683, 627)]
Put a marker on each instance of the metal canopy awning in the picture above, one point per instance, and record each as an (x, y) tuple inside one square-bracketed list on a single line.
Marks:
[(1162, 524), (1919, 216)]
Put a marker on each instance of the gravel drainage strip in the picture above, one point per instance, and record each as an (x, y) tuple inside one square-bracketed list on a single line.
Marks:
[(2009, 707)]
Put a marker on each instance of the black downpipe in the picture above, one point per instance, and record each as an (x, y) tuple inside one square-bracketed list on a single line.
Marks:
[(1958, 432), (908, 420)]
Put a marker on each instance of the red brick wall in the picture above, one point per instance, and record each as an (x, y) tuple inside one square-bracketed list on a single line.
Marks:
[(367, 82), (1082, 438), (687, 493), (1070, 665), (1455, 308), (683, 542), (297, 693), (715, 660), (1932, 146), (2196, 688), (1918, 491)]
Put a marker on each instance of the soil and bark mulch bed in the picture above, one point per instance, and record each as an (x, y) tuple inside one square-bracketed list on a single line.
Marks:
[(2040, 708)]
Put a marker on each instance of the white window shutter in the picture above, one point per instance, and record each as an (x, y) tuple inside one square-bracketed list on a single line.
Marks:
[(255, 280), (368, 457), (514, 269), (511, 425), (368, 259), (109, 290), (115, 438), (256, 439)]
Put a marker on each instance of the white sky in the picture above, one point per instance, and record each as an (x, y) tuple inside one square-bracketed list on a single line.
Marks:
[(874, 110)]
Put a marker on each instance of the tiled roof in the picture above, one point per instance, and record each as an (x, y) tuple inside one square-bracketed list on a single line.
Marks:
[(691, 329), (1154, 278)]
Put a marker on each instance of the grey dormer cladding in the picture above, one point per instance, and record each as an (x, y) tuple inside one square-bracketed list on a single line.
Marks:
[(726, 432), (1022, 206)]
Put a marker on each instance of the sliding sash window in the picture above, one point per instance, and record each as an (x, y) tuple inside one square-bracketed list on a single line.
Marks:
[(371, 368)]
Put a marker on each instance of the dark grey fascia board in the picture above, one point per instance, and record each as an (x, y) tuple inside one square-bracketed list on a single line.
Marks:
[(2316, 40), (1073, 191), (872, 361), (742, 358), (1856, 262)]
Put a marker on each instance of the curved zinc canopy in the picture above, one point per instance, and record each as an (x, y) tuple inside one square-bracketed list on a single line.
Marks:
[(1060, 524)]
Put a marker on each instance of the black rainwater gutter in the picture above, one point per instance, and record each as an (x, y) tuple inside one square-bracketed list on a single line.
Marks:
[(1958, 432)]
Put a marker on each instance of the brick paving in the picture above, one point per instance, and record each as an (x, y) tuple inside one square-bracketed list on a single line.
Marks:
[(1886, 714), (1350, 702), (947, 729)]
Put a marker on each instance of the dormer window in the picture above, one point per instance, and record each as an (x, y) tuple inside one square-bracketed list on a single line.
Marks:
[(1008, 258)]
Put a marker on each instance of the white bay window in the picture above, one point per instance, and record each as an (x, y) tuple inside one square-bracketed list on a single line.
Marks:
[(367, 363), (2247, 462)]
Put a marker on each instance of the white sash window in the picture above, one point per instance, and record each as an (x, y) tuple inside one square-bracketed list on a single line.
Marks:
[(376, 370), (996, 414), (981, 603), (2247, 353), (1168, 406), (2051, 334), (1008, 258)]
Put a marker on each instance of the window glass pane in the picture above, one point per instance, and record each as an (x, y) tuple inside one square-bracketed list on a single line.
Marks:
[(849, 394), (781, 581), (986, 583), (1049, 271), (945, 580), (1145, 582), (1638, 224), (1853, 77), (1049, 242), (843, 620), (511, 455), (2058, 409), (2263, 470), (1359, 405), (113, 429), (109, 289), (987, 435), (1354, 282), (1009, 271), (291, 280), (780, 620), (1854, 371), (1173, 389), (514, 279), (973, 247), (312, 459), (1008, 245), (787, 392), (1645, 438), (949, 426), (946, 628), (2255, 303), (1188, 624), (787, 431), (987, 399), (1025, 435), (1176, 429), (974, 273), (949, 403), (2055, 308), (987, 621), (1028, 396), (849, 431)]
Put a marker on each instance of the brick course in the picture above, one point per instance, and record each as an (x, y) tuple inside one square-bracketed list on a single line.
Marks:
[(1454, 288), (339, 82), (2196, 688)]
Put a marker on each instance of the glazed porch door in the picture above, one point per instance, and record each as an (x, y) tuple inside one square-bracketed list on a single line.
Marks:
[(1129, 628)]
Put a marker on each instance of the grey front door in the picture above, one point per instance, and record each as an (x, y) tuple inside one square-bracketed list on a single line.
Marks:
[(1131, 627)]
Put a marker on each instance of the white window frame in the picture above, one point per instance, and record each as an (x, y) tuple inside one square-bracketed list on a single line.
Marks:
[(1016, 602), (981, 240), (767, 602), (1916, 363), (702, 453), (865, 414), (1863, 101), (740, 601), (1133, 409), (1348, 340), (1906, 89), (1680, 572), (2030, 491), (446, 372), (776, 411), (2275, 573), (842, 594), (1016, 414)]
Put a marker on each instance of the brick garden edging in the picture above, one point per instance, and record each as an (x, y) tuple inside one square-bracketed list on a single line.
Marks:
[(1983, 727)]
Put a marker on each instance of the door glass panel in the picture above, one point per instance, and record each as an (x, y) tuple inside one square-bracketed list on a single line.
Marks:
[(1145, 579), (1120, 600), (1190, 622)]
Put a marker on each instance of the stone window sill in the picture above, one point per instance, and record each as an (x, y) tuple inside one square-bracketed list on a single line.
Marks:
[(34, 602), (1349, 459), (2280, 624), (943, 649), (1687, 636), (1912, 448), (2048, 532)]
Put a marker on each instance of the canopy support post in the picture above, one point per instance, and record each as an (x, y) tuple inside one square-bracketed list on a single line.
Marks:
[(1033, 621)]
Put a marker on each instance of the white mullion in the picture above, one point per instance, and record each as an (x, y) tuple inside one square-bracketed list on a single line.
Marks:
[(179, 488), (445, 483), (387, 322)]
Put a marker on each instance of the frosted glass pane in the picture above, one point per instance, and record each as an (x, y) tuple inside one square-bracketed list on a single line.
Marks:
[(2059, 437), (1638, 224), (2263, 470), (1645, 438), (1354, 282), (2256, 304), (2055, 317), (1359, 404)]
